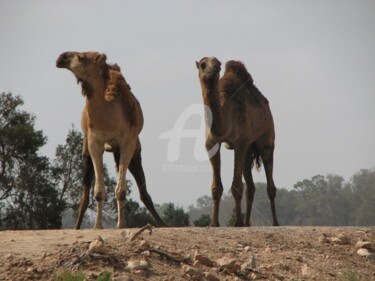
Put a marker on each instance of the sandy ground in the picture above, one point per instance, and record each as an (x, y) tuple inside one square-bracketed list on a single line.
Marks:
[(257, 253)]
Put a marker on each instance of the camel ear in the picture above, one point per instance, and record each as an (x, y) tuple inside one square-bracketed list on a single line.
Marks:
[(197, 64), (101, 58)]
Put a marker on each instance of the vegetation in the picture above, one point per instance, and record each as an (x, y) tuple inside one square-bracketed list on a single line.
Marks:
[(80, 276), (34, 190), (320, 201)]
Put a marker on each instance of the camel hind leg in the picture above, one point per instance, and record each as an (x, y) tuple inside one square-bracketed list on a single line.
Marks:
[(267, 157), (88, 175), (250, 190), (136, 169)]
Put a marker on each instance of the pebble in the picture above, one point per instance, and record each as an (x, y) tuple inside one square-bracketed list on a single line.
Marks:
[(137, 265), (203, 260), (363, 252), (229, 264), (363, 244)]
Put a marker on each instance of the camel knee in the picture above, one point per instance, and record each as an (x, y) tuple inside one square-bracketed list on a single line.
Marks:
[(121, 195), (237, 191), (217, 192), (271, 190), (99, 193)]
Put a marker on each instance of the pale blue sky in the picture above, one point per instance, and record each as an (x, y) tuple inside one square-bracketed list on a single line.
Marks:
[(314, 61)]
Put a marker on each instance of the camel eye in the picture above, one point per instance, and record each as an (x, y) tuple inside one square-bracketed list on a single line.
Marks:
[(203, 65)]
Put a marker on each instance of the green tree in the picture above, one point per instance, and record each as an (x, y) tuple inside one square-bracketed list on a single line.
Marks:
[(68, 174), (27, 194), (203, 221), (174, 216)]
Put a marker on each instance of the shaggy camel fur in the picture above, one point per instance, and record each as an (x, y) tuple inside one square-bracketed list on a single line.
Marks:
[(242, 119), (111, 121)]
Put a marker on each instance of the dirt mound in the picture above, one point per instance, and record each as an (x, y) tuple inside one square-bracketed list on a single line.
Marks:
[(257, 253)]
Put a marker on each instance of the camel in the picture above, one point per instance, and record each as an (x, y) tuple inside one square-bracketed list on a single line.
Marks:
[(242, 119), (111, 121)]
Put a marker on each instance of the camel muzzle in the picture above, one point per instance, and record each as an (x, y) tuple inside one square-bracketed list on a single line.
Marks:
[(64, 60)]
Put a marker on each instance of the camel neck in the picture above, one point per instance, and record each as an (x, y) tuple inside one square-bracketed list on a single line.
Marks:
[(211, 99)]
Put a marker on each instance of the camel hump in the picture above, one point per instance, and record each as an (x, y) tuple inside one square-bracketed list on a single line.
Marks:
[(238, 69)]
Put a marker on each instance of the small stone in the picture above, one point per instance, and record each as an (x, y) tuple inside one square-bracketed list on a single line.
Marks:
[(229, 264), (363, 252), (9, 257), (323, 238), (305, 270), (363, 244), (189, 270), (210, 276), (97, 246), (137, 265), (299, 259), (344, 239), (146, 253), (144, 245), (247, 249), (203, 260), (30, 269), (251, 264)]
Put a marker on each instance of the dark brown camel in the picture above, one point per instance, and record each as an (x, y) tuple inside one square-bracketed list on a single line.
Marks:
[(241, 118)]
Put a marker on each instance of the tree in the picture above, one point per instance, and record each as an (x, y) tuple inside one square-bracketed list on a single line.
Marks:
[(174, 216), (27, 193), (203, 221)]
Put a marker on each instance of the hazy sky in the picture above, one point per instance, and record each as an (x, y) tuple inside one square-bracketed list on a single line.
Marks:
[(313, 60)]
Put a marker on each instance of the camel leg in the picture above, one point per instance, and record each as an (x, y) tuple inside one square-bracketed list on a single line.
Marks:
[(88, 175), (250, 190), (267, 156), (96, 149), (126, 153), (135, 167), (217, 186), (237, 185)]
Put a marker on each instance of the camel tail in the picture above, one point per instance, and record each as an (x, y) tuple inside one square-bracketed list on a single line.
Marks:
[(257, 160)]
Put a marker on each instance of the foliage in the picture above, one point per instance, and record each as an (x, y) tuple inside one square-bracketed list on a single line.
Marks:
[(174, 216), (321, 201), (27, 194), (203, 221), (104, 276), (69, 276), (67, 173)]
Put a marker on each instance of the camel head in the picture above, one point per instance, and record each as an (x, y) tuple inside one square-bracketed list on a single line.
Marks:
[(209, 69), (85, 66)]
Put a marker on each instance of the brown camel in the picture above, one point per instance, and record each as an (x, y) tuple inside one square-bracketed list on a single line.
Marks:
[(242, 119), (111, 121)]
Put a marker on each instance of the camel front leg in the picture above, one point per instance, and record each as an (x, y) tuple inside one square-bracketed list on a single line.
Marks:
[(96, 149), (237, 185), (126, 153), (217, 186)]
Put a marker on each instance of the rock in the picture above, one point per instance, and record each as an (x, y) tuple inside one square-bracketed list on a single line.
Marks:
[(229, 264), (363, 244), (249, 264), (97, 246), (144, 245), (363, 252), (323, 238), (192, 271), (247, 249), (305, 270), (299, 259), (345, 240), (137, 265), (203, 260), (210, 276), (9, 257)]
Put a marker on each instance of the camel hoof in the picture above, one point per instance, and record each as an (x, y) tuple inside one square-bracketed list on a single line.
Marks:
[(98, 227), (214, 224)]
